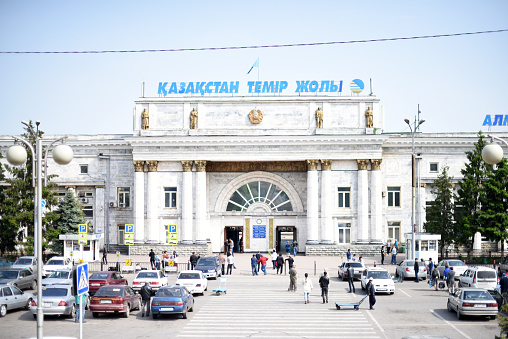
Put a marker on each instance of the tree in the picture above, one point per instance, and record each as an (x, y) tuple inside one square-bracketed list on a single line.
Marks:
[(8, 229), (494, 214), (70, 215), (470, 194), (440, 213)]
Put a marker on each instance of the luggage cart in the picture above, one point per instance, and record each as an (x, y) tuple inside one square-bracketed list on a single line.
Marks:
[(356, 305), (222, 286)]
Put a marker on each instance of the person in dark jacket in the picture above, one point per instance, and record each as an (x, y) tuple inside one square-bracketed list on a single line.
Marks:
[(146, 295), (324, 281), (504, 283), (258, 256), (280, 263), (290, 261), (193, 260), (382, 255), (350, 276), (152, 258), (253, 263), (371, 290), (417, 269)]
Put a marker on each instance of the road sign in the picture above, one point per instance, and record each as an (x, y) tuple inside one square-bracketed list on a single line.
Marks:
[(172, 228), (82, 239), (43, 203), (128, 262), (128, 242), (82, 228), (82, 275), (172, 235), (129, 228)]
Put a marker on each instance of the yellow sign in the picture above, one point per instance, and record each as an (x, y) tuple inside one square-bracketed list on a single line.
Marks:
[(171, 263), (82, 239), (172, 235), (128, 239), (80, 261), (128, 242), (127, 262)]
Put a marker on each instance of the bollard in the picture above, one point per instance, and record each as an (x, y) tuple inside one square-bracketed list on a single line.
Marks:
[(314, 267)]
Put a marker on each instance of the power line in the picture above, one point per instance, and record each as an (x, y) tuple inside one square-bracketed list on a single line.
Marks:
[(255, 46)]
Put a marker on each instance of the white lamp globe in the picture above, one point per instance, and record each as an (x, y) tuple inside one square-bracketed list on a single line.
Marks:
[(62, 154), (16, 155), (492, 154)]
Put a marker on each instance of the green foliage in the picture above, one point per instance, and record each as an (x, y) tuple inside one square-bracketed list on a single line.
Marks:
[(70, 215), (440, 214), (503, 322)]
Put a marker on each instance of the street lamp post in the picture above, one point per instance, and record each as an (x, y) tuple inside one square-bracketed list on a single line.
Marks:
[(413, 181), (493, 153), (16, 155)]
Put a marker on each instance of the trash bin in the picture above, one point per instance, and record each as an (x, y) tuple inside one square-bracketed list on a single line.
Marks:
[(484, 259), (403, 249)]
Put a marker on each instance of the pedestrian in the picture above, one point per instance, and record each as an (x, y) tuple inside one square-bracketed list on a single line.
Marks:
[(389, 246), (504, 283), (371, 290), (451, 280), (431, 265), (193, 260), (226, 245), (350, 276), (105, 255), (417, 270), (280, 263), (307, 288), (445, 273), (290, 261), (394, 255), (348, 255), (263, 261), (274, 258), (165, 259), (240, 243), (258, 256), (324, 281), (382, 255), (360, 260), (434, 277), (80, 299), (253, 263), (288, 247), (231, 245), (152, 258), (222, 262), (396, 245), (295, 247), (354, 257), (157, 262), (293, 279), (146, 295), (231, 262)]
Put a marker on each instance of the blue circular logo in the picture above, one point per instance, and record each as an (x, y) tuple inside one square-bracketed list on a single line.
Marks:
[(357, 86)]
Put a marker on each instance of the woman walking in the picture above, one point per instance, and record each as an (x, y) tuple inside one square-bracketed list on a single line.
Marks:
[(307, 287)]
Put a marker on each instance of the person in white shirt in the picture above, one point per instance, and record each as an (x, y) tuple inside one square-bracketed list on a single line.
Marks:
[(274, 258), (307, 287), (394, 255)]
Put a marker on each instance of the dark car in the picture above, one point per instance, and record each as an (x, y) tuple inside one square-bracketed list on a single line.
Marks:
[(172, 300), (99, 279), (120, 299), (210, 266), (21, 278)]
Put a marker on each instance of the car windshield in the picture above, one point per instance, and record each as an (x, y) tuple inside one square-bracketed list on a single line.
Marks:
[(3, 259), (477, 295), (9, 274), (486, 275), (206, 262), (108, 291), (354, 264), (456, 263), (23, 261), (54, 292), (59, 275), (99, 276), (151, 275), (169, 292), (55, 262), (188, 276), (379, 275)]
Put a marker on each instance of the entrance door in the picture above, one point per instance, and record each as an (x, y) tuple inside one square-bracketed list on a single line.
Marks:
[(121, 234), (236, 234), (283, 235)]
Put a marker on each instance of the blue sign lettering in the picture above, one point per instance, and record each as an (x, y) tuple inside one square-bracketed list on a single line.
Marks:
[(498, 120)]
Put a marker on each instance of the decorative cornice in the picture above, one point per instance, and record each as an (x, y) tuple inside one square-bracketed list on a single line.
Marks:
[(375, 164), (312, 165), (187, 165), (250, 166), (362, 164), (200, 165), (326, 165), (152, 166), (139, 166)]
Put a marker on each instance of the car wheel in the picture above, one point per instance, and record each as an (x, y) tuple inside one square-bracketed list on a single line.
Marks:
[(3, 310), (192, 307), (126, 313), (363, 288), (206, 288), (184, 315), (154, 316), (28, 304), (73, 312), (459, 284), (95, 314), (34, 285), (493, 317), (35, 316), (448, 306), (458, 314)]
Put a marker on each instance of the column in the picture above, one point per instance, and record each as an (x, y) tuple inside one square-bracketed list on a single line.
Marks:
[(326, 202), (312, 203), (186, 227), (201, 190), (363, 202), (152, 224), (139, 202), (420, 212), (477, 244), (376, 203)]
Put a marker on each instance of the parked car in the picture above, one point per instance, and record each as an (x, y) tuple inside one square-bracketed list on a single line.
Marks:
[(472, 301), (155, 278), (56, 263), (28, 262), (172, 300), (4, 264), (383, 282), (458, 266), (479, 277), (99, 279), (12, 298), (115, 299), (407, 269), (193, 280), (503, 267), (57, 300), (210, 266), (357, 266), (21, 278), (58, 277)]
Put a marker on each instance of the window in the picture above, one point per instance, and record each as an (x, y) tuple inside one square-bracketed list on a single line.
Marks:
[(89, 194), (124, 197), (394, 196), (88, 211), (434, 167), (345, 233), (344, 197), (259, 192), (83, 169), (170, 197), (394, 231)]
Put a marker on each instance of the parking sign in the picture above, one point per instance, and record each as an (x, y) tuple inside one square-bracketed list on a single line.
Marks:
[(82, 228), (129, 228)]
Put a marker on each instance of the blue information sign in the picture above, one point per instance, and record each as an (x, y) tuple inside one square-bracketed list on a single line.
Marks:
[(259, 231)]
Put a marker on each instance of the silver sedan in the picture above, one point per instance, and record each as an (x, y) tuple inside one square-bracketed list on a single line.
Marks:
[(12, 298), (406, 268), (472, 301), (57, 300)]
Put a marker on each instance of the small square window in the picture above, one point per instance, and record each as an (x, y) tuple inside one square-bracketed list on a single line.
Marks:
[(434, 167), (83, 169)]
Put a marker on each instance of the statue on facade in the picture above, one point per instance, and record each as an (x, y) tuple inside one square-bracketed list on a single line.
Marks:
[(319, 118), (193, 119), (144, 119), (368, 115)]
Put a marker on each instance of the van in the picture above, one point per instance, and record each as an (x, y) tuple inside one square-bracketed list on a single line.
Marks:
[(479, 277)]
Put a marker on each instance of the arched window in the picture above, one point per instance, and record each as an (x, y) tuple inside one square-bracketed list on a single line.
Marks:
[(259, 192)]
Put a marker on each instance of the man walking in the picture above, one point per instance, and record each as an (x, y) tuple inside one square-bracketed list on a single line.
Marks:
[(451, 280), (295, 247), (290, 261), (193, 260), (382, 255), (231, 262), (434, 277), (372, 293), (223, 262), (324, 281), (258, 256), (146, 295), (152, 258), (293, 279), (280, 263), (226, 245), (105, 255), (263, 261), (504, 283), (417, 269), (274, 258), (288, 247), (350, 276), (253, 263), (394, 255), (348, 255)]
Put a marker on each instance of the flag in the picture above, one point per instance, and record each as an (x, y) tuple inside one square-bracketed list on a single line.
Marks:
[(256, 64)]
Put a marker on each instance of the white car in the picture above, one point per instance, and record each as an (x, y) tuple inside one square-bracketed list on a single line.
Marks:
[(58, 277), (383, 282), (458, 266), (479, 277), (194, 280), (155, 278), (56, 263)]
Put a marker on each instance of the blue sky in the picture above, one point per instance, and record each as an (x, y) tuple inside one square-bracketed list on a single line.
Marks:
[(455, 80)]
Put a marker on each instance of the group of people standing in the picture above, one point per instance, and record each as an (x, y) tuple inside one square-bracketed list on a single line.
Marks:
[(278, 261), (156, 262)]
